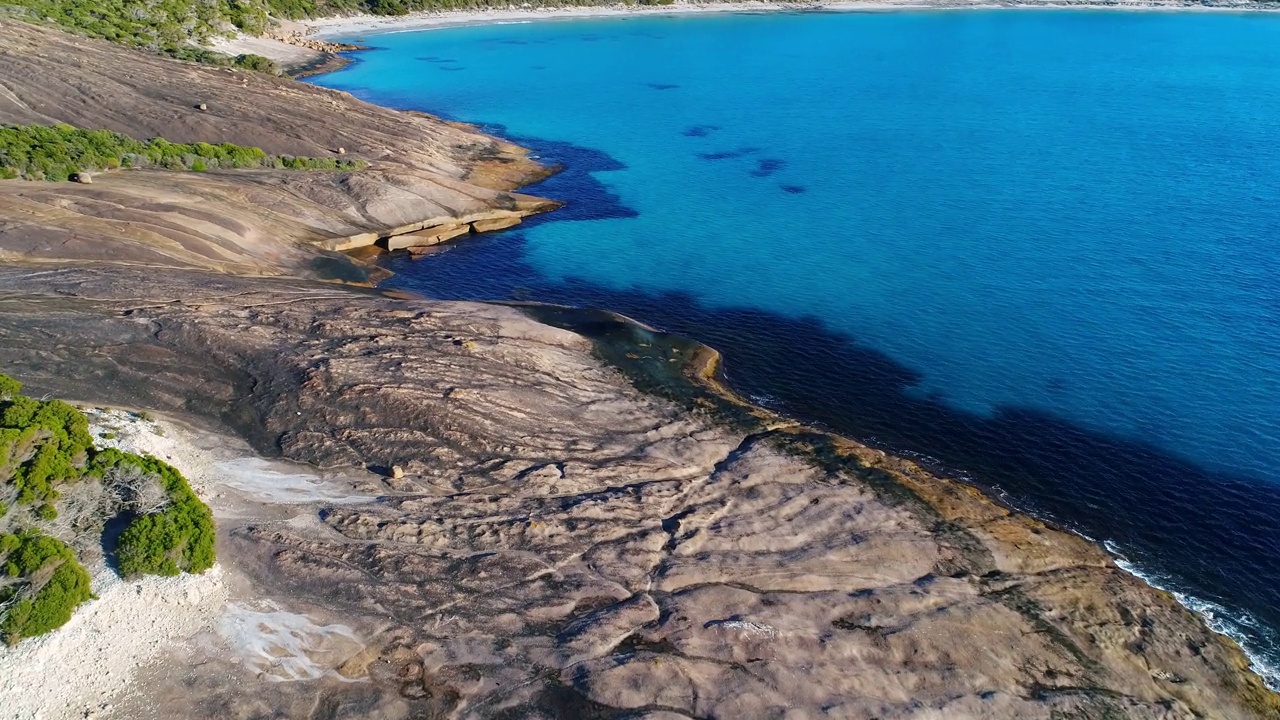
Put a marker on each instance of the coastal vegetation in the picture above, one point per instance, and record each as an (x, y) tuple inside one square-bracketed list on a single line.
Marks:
[(298, 9), (57, 491), (165, 26), (171, 26), (51, 599), (176, 536), (44, 152)]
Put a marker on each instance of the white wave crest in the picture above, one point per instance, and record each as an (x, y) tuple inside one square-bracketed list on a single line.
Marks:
[(1221, 620)]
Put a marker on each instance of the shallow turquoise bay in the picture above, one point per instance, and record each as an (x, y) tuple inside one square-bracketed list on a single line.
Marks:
[(1040, 247)]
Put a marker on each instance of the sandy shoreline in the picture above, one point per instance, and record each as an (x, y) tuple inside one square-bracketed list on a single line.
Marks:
[(345, 27)]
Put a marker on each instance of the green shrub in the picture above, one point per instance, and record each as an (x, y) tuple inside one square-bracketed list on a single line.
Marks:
[(61, 435), (19, 412), (9, 388), (257, 63), (55, 152), (44, 444), (39, 609), (179, 538)]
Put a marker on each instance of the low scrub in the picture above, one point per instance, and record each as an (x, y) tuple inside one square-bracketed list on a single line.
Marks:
[(44, 152), (178, 538), (47, 585), (166, 26), (45, 447)]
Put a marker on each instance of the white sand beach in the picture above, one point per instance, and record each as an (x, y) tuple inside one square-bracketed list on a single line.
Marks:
[(348, 27)]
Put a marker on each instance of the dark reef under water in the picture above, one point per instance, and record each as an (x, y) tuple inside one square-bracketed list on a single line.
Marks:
[(1209, 535)]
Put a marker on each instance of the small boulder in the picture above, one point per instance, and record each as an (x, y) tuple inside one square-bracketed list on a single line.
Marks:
[(202, 107), (82, 177), (397, 472), (342, 151)]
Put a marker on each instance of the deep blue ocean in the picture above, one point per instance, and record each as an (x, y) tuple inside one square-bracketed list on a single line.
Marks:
[(1038, 249)]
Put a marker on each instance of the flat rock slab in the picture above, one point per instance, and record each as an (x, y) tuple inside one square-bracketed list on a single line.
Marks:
[(429, 237)]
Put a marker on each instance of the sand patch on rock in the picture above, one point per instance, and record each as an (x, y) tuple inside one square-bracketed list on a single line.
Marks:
[(282, 646)]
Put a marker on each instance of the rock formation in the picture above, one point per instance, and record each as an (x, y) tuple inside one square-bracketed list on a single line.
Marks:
[(423, 172), (562, 545)]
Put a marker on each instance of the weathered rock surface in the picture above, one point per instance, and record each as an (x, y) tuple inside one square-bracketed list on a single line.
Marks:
[(562, 545), (423, 172)]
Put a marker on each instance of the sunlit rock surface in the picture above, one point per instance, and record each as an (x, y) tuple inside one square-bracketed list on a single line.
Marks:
[(562, 545)]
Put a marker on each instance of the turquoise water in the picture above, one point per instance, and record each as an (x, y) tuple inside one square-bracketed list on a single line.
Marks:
[(1040, 248)]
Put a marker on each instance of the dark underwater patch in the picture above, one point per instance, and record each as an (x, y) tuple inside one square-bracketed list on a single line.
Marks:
[(792, 189), (729, 154), (699, 130), (767, 167), (435, 59), (661, 86), (589, 199)]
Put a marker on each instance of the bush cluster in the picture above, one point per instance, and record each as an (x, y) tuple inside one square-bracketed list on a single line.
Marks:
[(55, 152), (59, 435), (179, 538), (45, 443), (58, 584)]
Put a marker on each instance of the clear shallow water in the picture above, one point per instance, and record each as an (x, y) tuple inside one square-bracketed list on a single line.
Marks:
[(1040, 247)]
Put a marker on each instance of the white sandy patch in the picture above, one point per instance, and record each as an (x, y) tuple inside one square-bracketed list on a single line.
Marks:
[(280, 483), (281, 52), (282, 646), (75, 670), (216, 470), (344, 27)]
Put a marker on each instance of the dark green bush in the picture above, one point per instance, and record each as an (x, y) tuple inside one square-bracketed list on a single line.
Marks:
[(257, 63), (44, 444), (179, 538), (39, 609), (60, 434), (56, 152)]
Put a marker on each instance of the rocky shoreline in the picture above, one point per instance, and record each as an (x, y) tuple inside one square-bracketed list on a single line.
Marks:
[(585, 522), (573, 541)]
